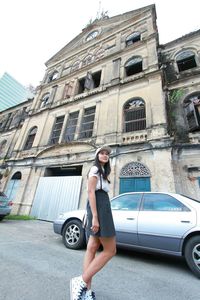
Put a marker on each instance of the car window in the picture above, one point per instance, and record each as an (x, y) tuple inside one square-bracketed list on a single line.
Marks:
[(126, 202), (162, 202)]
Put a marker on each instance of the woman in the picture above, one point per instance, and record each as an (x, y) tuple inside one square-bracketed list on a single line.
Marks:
[(100, 227)]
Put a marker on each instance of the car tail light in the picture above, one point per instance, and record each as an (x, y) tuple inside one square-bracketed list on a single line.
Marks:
[(10, 203)]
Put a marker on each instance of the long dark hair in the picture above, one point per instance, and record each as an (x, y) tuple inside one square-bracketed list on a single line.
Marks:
[(105, 171)]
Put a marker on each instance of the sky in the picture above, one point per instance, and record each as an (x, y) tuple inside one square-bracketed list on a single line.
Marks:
[(32, 31)]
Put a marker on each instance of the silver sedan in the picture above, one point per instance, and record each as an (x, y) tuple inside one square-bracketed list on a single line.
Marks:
[(5, 206), (157, 222)]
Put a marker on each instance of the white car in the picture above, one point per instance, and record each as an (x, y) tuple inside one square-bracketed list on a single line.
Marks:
[(5, 206), (159, 222)]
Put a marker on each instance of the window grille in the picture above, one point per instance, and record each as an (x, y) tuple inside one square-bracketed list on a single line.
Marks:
[(87, 123), (55, 135), (135, 169), (71, 126), (134, 115)]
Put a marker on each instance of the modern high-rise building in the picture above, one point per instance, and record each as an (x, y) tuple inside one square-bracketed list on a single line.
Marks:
[(12, 92)]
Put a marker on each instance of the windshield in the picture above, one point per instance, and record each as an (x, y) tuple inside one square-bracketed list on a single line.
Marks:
[(196, 200)]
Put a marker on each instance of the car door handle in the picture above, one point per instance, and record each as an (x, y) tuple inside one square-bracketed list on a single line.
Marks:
[(130, 218), (185, 221)]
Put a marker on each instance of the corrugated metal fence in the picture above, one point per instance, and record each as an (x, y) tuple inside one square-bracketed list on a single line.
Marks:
[(55, 195)]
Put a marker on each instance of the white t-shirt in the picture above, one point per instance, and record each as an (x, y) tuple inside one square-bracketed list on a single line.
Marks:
[(105, 184)]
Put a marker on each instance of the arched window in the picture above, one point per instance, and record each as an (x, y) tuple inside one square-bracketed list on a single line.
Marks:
[(13, 185), (192, 111), (45, 99), (30, 138), (135, 177), (134, 115), (53, 76), (133, 66), (17, 175), (186, 60), (75, 66), (87, 60), (135, 169), (133, 38), (2, 146)]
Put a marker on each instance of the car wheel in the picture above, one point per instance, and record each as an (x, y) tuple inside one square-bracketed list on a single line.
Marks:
[(2, 217), (73, 235), (192, 254)]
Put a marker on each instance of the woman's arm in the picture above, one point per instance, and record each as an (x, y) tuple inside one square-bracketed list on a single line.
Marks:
[(92, 182)]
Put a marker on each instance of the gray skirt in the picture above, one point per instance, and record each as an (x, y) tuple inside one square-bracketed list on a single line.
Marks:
[(105, 217)]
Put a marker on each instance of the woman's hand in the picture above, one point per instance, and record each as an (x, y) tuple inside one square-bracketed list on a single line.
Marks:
[(95, 224), (92, 182)]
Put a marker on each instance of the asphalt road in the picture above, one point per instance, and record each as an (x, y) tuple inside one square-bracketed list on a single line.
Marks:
[(35, 265)]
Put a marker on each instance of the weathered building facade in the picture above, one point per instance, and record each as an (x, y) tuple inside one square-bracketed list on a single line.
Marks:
[(113, 84), (180, 61)]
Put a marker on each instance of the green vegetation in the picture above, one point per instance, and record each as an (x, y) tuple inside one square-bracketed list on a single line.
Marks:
[(19, 217), (101, 15), (175, 96), (176, 119)]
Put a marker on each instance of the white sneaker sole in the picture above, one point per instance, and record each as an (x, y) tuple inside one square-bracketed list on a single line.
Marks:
[(71, 289)]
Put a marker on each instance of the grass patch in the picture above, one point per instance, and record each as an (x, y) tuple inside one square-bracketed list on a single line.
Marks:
[(19, 217)]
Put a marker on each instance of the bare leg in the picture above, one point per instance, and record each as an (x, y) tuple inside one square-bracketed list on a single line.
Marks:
[(97, 263), (92, 247)]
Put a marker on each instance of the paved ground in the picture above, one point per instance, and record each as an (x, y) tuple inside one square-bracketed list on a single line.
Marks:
[(35, 265)]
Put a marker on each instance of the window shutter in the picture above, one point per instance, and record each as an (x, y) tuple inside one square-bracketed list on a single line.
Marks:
[(68, 90), (17, 119), (191, 117), (89, 83), (3, 122)]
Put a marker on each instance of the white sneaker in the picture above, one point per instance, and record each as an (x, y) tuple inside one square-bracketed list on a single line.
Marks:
[(89, 295), (77, 287)]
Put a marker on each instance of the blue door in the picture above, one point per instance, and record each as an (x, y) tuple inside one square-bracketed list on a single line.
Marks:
[(11, 189), (134, 184)]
